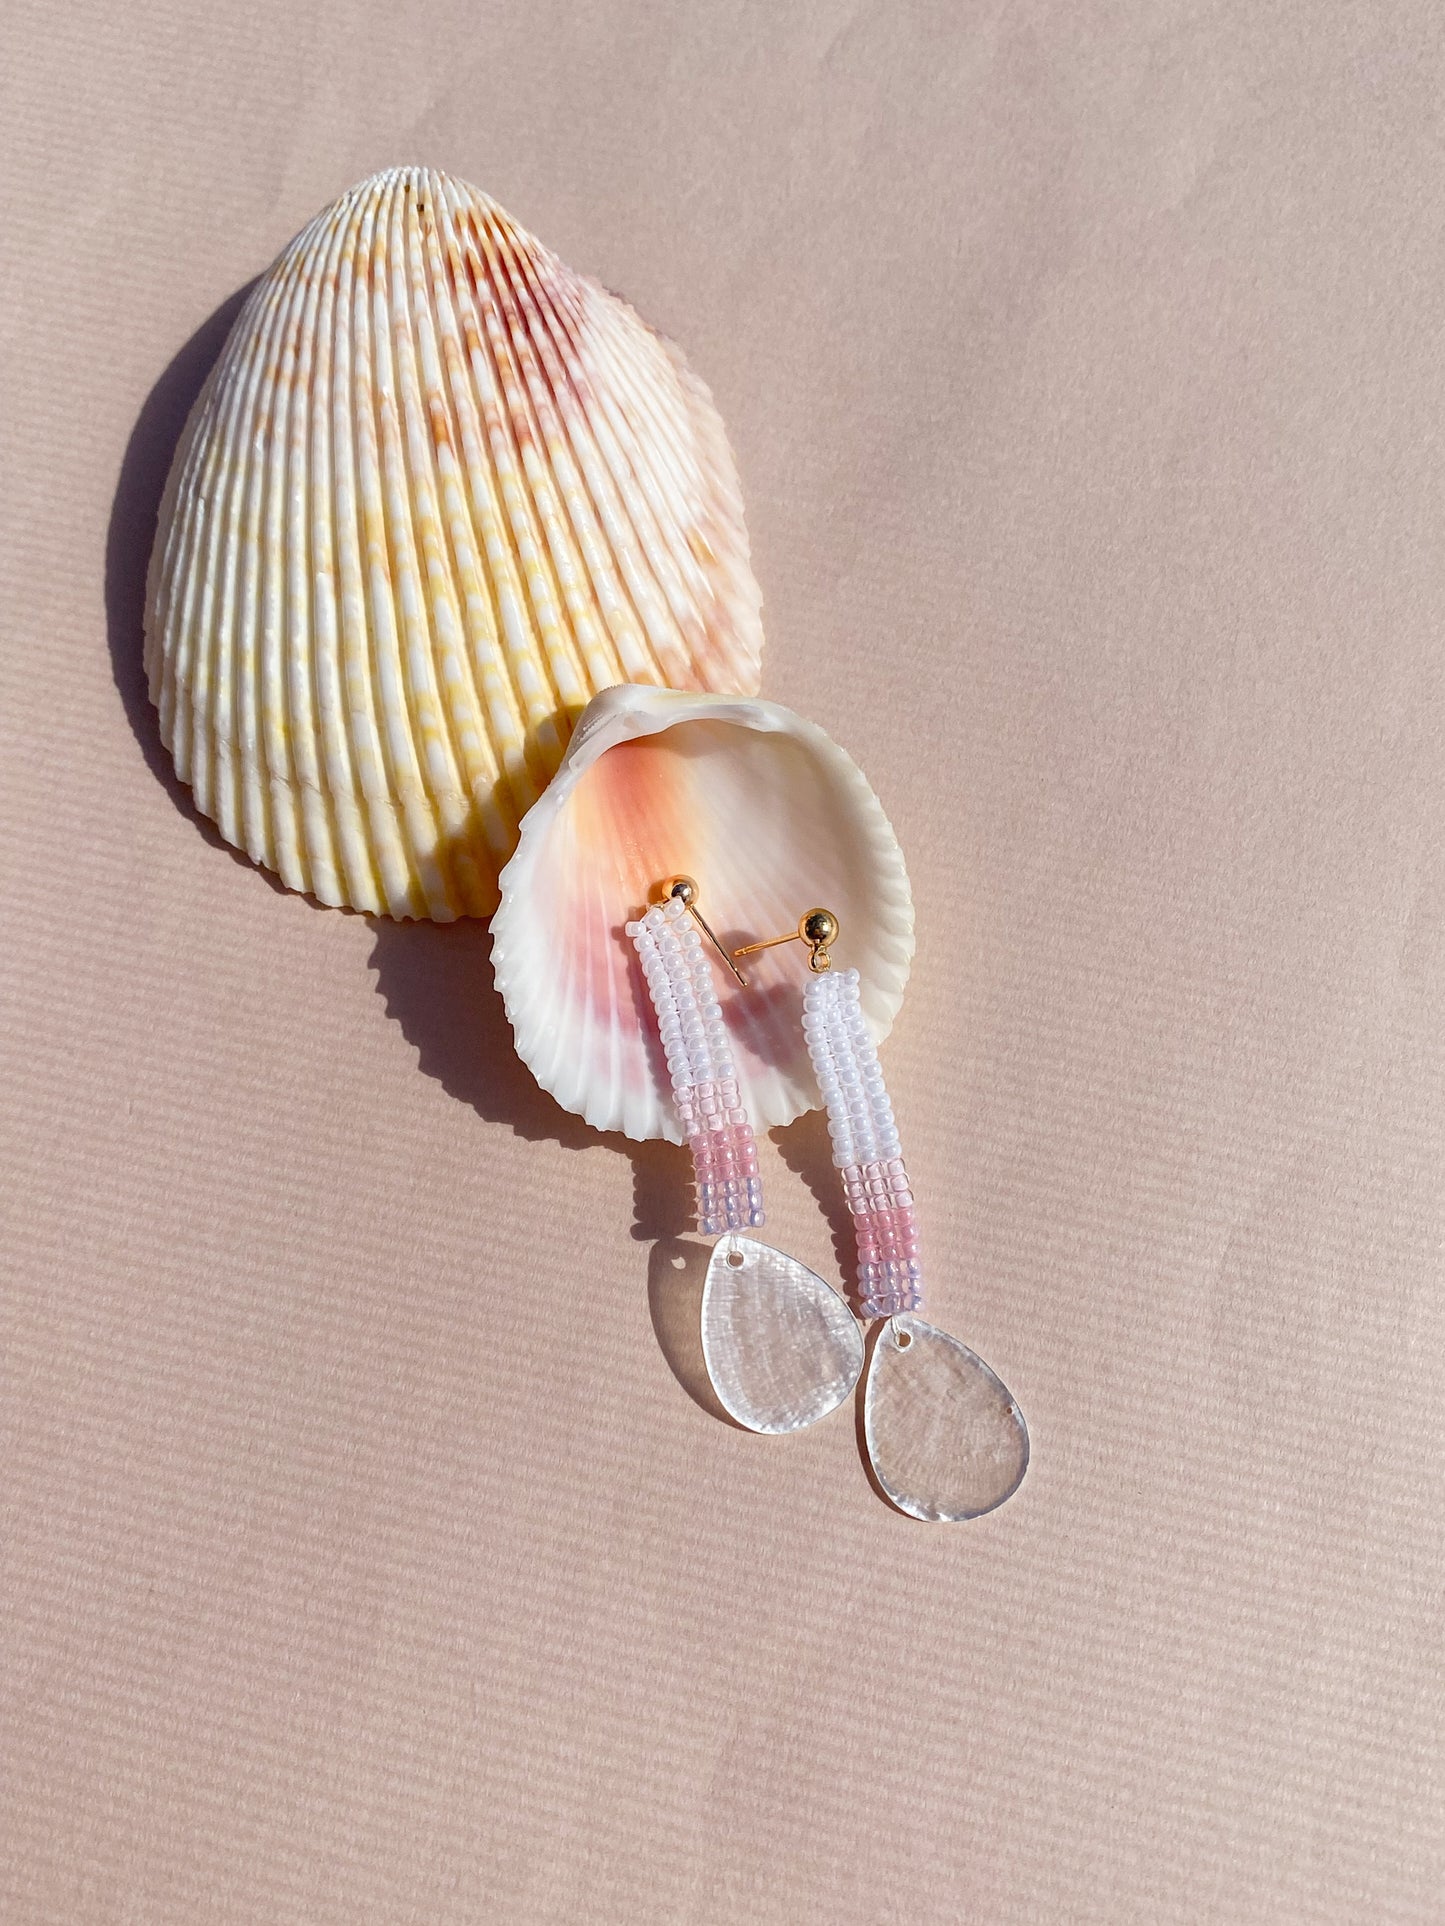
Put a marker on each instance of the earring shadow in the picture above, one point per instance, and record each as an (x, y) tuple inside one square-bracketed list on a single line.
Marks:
[(676, 1274), (435, 981), (807, 1150), (860, 1428)]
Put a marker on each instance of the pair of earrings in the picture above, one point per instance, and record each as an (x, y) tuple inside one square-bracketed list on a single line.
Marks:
[(782, 1347)]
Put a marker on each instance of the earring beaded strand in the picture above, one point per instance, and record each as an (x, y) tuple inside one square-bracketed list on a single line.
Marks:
[(866, 1146), (699, 1061), (782, 1347)]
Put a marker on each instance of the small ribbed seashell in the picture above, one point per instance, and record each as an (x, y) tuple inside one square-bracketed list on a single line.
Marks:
[(770, 817), (437, 492)]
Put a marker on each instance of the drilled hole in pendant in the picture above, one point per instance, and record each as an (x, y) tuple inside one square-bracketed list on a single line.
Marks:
[(903, 1339), (735, 1260)]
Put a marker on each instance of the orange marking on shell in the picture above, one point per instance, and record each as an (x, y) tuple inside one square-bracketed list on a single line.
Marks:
[(441, 433), (633, 820)]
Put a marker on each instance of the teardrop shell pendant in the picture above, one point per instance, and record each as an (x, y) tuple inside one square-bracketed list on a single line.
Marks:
[(944, 1437), (782, 1348)]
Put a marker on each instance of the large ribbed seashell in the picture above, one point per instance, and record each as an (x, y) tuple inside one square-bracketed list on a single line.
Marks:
[(771, 818), (437, 492)]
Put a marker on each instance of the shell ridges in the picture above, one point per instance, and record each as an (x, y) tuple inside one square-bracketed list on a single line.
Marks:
[(437, 492)]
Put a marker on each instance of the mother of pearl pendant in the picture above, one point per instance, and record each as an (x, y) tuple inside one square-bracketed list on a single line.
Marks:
[(781, 1346), (944, 1436)]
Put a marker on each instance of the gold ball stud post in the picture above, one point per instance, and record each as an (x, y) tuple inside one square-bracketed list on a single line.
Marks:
[(685, 889), (816, 927)]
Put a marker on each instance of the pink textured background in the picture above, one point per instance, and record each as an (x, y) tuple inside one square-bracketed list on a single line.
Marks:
[(363, 1558)]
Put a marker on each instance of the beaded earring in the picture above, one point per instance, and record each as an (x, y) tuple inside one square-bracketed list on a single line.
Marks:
[(943, 1434)]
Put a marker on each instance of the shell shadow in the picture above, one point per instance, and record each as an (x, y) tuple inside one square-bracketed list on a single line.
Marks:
[(435, 981), (130, 536)]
